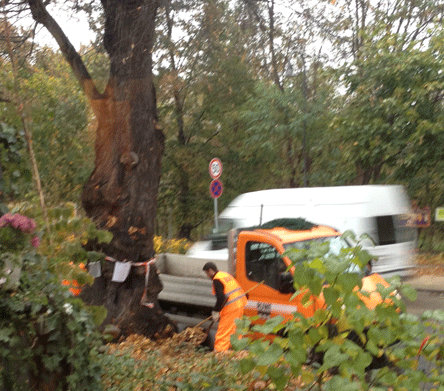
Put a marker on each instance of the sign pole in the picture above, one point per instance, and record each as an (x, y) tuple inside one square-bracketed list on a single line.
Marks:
[(215, 215)]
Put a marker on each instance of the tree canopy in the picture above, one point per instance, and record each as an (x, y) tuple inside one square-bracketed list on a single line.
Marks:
[(286, 95)]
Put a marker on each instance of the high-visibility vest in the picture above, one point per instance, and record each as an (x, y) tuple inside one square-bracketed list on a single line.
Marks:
[(234, 294)]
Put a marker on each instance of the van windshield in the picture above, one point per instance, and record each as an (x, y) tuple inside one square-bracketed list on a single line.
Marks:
[(223, 226)]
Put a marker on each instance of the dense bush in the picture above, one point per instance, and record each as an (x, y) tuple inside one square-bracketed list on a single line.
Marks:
[(47, 338), (347, 345)]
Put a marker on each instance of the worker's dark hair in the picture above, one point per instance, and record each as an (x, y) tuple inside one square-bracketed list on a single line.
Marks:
[(210, 265)]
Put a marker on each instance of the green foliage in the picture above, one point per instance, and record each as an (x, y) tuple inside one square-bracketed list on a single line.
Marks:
[(47, 337), (57, 117), (11, 160), (64, 244), (202, 120), (16, 237), (393, 117), (184, 369), (346, 343), (62, 141)]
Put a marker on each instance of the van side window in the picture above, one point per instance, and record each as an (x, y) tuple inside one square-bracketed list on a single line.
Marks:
[(393, 229), (263, 263), (386, 230)]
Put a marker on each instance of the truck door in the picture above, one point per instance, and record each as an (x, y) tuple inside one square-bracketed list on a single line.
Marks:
[(263, 262)]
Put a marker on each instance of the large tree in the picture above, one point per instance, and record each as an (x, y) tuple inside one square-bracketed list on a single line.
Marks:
[(120, 194)]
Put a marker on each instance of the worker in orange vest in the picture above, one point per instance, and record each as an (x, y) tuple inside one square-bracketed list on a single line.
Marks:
[(230, 303)]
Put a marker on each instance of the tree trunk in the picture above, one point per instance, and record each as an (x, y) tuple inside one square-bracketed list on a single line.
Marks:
[(121, 193)]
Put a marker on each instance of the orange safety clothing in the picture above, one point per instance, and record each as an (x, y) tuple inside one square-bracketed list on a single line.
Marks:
[(226, 328), (233, 309)]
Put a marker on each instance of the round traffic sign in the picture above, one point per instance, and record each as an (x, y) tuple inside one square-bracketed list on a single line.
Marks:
[(216, 188), (215, 168)]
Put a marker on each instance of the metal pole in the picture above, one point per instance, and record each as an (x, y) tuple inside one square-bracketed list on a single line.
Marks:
[(215, 215)]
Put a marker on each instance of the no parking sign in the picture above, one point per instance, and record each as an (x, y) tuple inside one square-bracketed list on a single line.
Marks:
[(216, 188)]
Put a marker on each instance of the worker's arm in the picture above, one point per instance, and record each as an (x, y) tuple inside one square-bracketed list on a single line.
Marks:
[(220, 297)]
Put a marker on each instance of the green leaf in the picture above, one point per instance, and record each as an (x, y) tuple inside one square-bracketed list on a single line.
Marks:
[(362, 361), (336, 265), (5, 334), (239, 344), (75, 224), (278, 377), (296, 356), (98, 313), (318, 265), (315, 285), (104, 236), (373, 348), (339, 383), (409, 292), (349, 281), (94, 256), (246, 365), (307, 377), (296, 337), (331, 295), (91, 231), (270, 356), (362, 258), (272, 325), (314, 335), (333, 357), (389, 377)]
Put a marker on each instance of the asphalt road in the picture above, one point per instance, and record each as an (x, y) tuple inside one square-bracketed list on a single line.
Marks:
[(426, 301)]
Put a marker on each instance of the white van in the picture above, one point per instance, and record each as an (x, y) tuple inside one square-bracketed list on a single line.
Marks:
[(381, 211)]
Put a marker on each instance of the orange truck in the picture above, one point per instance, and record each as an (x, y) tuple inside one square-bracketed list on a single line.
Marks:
[(256, 261)]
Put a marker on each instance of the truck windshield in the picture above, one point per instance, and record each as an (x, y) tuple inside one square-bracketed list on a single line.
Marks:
[(337, 243)]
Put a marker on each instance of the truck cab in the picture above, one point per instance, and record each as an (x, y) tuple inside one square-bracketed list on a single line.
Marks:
[(258, 259)]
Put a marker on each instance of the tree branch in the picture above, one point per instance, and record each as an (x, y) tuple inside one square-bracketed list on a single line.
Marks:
[(41, 15)]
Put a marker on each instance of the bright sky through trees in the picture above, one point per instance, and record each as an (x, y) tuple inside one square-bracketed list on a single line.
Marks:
[(75, 27)]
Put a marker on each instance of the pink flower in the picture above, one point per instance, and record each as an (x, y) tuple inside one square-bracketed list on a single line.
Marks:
[(35, 241), (18, 221)]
